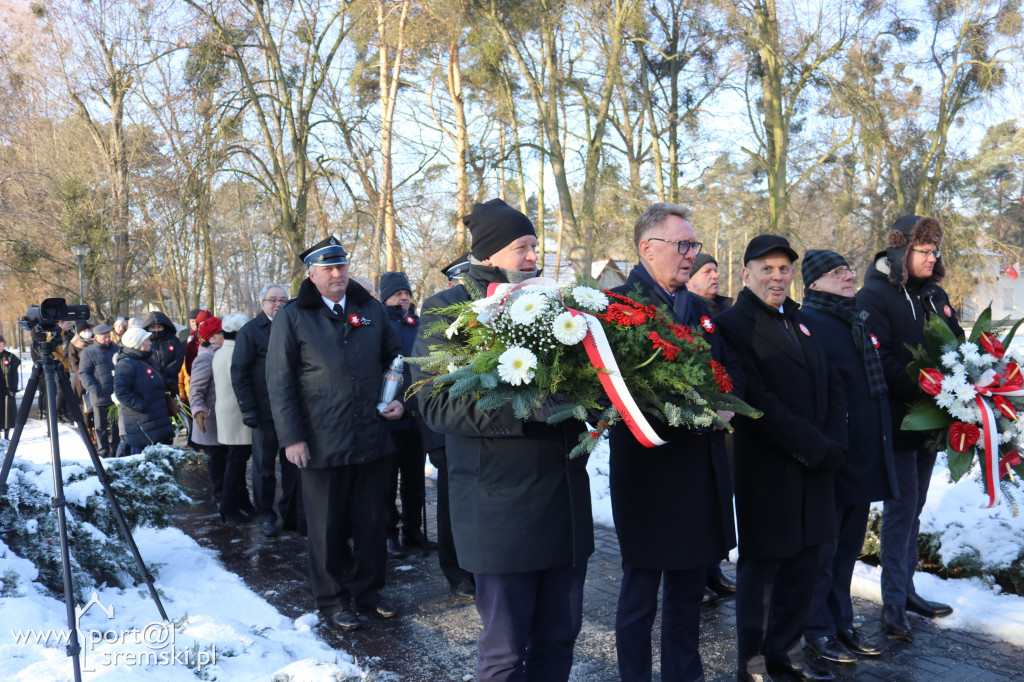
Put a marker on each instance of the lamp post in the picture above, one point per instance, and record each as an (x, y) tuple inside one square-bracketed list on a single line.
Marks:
[(80, 251)]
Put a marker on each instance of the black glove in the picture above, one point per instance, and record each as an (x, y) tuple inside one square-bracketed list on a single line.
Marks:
[(251, 419), (833, 459)]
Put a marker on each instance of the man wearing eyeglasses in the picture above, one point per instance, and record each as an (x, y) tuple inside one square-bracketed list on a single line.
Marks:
[(784, 462), (672, 504), (249, 379), (868, 474), (901, 288)]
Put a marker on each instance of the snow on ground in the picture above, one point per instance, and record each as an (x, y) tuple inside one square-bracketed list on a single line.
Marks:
[(213, 608)]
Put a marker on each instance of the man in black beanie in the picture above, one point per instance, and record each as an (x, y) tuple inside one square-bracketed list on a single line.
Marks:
[(901, 288), (868, 472), (704, 283), (520, 508)]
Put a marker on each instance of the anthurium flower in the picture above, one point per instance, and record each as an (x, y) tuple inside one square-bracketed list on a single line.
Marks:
[(963, 436), (930, 381), (992, 345), (1012, 375), (1004, 406), (1010, 459)]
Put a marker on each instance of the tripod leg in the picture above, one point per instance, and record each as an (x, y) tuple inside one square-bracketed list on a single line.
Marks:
[(19, 425), (101, 474)]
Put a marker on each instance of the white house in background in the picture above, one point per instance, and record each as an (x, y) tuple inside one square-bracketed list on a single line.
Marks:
[(993, 285), (610, 273)]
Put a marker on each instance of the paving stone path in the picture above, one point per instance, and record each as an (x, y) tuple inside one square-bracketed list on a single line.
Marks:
[(434, 639)]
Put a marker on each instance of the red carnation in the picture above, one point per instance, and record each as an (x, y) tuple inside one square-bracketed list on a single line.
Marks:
[(625, 315), (963, 436), (722, 377), (930, 381), (992, 345), (670, 351)]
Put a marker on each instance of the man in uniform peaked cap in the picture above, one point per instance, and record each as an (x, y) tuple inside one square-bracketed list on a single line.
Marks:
[(329, 349)]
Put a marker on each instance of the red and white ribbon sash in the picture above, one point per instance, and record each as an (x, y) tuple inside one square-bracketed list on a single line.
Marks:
[(601, 356), (990, 435)]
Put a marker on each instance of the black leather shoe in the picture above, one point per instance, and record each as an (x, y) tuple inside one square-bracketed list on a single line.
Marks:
[(385, 609), (347, 619), (268, 528), (799, 670), (234, 517), (419, 541), (831, 649), (928, 609), (466, 590), (752, 677), (721, 584), (895, 623), (395, 550), (855, 642)]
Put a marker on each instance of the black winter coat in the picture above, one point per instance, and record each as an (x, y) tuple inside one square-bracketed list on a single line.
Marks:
[(9, 363), (168, 351), (672, 504), (898, 314), (784, 502), (140, 391), (249, 368), (517, 502), (325, 374), (868, 473), (96, 372)]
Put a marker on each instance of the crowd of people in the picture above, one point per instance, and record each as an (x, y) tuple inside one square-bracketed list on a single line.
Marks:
[(297, 390)]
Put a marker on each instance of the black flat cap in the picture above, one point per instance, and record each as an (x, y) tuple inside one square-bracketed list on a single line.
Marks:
[(766, 243)]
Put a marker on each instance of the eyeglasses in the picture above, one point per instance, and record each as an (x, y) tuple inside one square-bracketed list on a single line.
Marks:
[(928, 252), (683, 246), (276, 300), (842, 271)]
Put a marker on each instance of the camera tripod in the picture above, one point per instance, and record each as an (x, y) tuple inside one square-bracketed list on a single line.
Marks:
[(53, 371)]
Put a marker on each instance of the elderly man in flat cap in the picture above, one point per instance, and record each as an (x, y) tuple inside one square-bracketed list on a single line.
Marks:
[(785, 498), (329, 349), (520, 508)]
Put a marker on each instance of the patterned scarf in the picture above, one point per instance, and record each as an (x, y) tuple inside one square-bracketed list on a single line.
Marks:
[(844, 308)]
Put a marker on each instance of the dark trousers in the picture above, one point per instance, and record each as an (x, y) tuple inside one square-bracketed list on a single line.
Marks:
[(107, 438), (340, 501), (531, 621), (446, 555), (680, 623), (265, 455), (833, 609), (901, 522), (216, 463), (406, 463), (235, 496), (773, 602)]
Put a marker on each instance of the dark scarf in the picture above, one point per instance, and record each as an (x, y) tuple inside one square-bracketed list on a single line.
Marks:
[(844, 308), (678, 303)]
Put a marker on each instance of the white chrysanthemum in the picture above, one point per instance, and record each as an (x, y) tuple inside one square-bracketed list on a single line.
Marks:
[(528, 307), (965, 413), (965, 393), (516, 365), (568, 328), (970, 353), (1007, 436), (590, 298), (453, 328), (452, 368), (950, 359), (945, 399)]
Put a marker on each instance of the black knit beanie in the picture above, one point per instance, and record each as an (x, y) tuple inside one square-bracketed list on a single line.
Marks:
[(701, 260), (819, 261), (391, 283), (494, 225)]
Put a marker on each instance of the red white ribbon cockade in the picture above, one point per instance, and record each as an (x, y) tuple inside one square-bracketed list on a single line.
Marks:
[(603, 359), (990, 434)]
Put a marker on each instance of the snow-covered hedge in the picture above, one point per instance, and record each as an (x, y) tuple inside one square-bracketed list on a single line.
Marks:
[(960, 536), (146, 490)]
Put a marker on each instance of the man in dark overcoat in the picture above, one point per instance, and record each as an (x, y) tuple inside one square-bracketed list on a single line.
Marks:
[(868, 473), (785, 499), (672, 504), (901, 288), (329, 349), (249, 379), (168, 351), (520, 508), (96, 372)]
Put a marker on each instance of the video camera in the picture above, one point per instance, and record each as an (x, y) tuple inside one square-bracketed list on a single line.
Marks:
[(51, 311)]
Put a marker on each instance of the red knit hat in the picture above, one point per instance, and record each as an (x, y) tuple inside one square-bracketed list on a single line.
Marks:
[(203, 315), (209, 327)]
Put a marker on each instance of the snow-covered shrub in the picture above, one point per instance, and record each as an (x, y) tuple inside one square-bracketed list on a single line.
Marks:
[(145, 488)]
